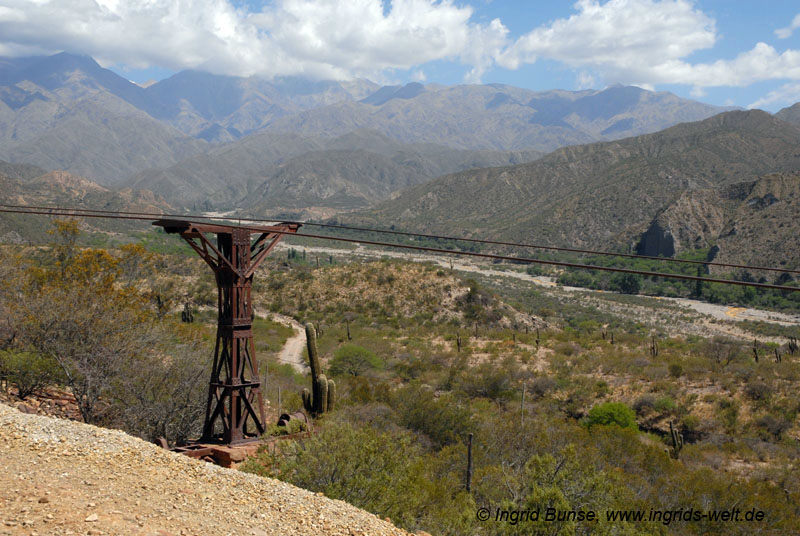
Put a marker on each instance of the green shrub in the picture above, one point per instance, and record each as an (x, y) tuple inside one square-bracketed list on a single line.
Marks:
[(757, 390), (541, 386), (675, 370), (665, 404), (29, 373), (443, 420), (690, 422), (354, 360), (610, 413)]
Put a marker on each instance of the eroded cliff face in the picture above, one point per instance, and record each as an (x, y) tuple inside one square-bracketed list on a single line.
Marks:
[(763, 228), (749, 223), (693, 221)]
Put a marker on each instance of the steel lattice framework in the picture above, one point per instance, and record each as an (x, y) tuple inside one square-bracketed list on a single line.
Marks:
[(234, 391)]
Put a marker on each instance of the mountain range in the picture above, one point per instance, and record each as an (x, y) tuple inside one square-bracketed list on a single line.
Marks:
[(67, 112)]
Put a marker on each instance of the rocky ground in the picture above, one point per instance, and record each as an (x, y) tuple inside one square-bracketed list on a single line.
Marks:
[(62, 477)]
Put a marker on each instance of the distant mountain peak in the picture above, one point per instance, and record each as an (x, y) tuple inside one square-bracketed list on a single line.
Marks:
[(790, 114), (387, 93)]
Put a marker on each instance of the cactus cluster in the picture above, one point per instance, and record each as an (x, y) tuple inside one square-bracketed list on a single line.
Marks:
[(322, 396)]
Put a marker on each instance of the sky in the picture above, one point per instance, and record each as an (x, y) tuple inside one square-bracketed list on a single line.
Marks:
[(741, 53)]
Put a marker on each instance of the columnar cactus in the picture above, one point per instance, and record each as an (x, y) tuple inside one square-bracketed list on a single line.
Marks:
[(322, 396), (677, 441)]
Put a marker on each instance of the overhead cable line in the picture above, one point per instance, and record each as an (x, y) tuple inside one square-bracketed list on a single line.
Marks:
[(422, 235), (445, 251)]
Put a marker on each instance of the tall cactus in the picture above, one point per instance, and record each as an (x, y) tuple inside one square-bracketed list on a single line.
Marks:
[(322, 396), (677, 441)]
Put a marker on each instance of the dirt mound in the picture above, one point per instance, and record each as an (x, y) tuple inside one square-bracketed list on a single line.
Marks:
[(64, 477)]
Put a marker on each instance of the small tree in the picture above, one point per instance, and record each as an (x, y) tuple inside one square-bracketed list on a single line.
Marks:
[(609, 413), (626, 283), (354, 360)]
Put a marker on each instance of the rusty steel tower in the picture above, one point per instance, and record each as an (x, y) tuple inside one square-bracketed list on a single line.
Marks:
[(234, 391)]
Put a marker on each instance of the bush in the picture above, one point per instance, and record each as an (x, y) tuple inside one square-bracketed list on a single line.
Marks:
[(774, 426), (610, 413), (443, 420), (489, 380), (690, 422), (665, 404), (30, 373), (645, 404), (541, 386), (626, 283), (757, 390), (354, 360), (675, 370), (293, 427)]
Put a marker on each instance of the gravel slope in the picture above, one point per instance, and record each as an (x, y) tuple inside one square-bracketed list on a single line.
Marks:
[(63, 477)]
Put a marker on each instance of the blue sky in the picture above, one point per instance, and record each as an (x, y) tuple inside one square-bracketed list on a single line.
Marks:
[(742, 53)]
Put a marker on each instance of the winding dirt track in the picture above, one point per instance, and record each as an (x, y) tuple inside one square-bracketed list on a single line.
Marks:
[(292, 351)]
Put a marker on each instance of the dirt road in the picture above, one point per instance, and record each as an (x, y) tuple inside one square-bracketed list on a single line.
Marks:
[(292, 351)]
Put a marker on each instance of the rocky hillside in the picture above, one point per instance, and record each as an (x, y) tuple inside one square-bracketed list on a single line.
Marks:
[(28, 185), (64, 477), (752, 222), (607, 195)]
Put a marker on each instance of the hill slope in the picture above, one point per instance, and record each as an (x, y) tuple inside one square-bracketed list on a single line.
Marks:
[(601, 195), (98, 469), (23, 185), (790, 114)]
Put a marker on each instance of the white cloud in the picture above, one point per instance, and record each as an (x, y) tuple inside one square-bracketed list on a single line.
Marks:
[(585, 80), (647, 41), (641, 42), (619, 36), (785, 33), (316, 38), (785, 95)]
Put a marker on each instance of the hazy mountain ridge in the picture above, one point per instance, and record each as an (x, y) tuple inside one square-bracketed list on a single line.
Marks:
[(500, 117), (269, 170), (66, 112), (601, 195), (225, 108)]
